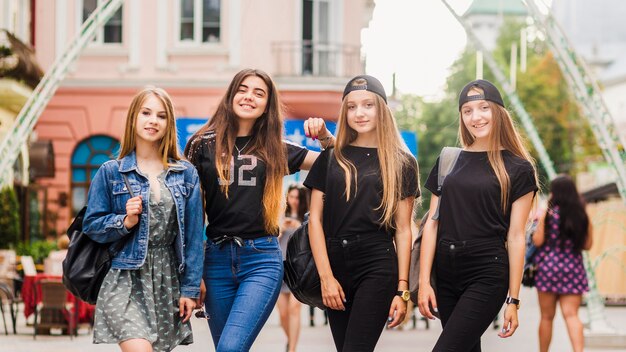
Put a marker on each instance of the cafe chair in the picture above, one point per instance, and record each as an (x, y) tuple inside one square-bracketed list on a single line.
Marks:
[(54, 311), (7, 298)]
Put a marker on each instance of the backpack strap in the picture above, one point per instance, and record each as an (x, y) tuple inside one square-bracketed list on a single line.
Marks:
[(447, 160)]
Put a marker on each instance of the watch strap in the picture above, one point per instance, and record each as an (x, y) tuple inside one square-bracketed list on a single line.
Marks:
[(511, 300)]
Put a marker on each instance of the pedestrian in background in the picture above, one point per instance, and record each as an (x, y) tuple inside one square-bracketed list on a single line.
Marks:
[(241, 159), (563, 232), (477, 244), (289, 307), (361, 203), (147, 297)]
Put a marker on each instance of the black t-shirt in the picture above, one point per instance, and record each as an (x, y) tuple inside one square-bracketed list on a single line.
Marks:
[(470, 205), (359, 214), (242, 213)]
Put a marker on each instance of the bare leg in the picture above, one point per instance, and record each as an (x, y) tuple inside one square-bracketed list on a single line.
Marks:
[(294, 322), (136, 345), (547, 305), (569, 307), (283, 310)]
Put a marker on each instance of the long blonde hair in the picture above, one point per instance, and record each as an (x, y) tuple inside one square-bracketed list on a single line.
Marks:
[(266, 143), (168, 146), (503, 135), (393, 155)]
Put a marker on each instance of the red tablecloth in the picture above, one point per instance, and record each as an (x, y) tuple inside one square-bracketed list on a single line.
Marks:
[(85, 310)]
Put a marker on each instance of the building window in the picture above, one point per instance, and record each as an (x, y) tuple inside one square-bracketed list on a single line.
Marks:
[(317, 53), (86, 159), (199, 21), (111, 33)]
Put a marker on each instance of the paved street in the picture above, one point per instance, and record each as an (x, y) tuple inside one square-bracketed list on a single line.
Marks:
[(318, 338)]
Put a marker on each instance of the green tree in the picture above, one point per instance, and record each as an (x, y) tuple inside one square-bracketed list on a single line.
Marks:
[(9, 218), (435, 125), (542, 90)]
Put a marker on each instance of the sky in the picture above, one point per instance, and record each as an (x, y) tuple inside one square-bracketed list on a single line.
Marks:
[(416, 39)]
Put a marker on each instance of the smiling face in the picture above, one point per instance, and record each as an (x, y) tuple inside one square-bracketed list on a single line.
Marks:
[(362, 113), (477, 117), (151, 121), (250, 100)]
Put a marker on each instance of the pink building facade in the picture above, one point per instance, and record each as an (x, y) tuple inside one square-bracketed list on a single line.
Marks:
[(192, 48)]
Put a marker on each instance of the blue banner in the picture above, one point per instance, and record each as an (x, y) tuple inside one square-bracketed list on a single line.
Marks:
[(294, 132), (186, 127)]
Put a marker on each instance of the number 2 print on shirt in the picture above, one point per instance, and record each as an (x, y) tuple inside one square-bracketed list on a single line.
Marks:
[(245, 171)]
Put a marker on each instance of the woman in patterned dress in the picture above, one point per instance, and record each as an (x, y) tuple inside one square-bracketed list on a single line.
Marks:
[(153, 286), (562, 233)]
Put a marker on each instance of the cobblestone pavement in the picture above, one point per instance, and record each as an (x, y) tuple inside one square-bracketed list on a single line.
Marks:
[(318, 338)]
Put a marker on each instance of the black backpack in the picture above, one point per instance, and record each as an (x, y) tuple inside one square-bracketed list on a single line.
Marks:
[(87, 262), (300, 271)]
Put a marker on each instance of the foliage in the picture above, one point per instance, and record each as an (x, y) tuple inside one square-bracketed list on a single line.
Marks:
[(563, 130), (423, 118), (9, 218), (39, 250)]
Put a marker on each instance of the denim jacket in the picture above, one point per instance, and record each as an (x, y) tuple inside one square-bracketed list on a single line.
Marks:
[(106, 209)]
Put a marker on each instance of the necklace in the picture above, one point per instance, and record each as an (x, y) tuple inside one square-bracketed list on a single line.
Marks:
[(242, 148)]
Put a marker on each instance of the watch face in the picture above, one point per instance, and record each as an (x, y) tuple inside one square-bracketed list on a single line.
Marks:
[(406, 295)]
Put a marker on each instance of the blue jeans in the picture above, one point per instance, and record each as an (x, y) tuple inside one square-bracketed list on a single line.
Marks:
[(242, 284)]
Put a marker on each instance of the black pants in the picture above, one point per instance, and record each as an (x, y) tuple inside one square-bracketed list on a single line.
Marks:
[(366, 266), (472, 283)]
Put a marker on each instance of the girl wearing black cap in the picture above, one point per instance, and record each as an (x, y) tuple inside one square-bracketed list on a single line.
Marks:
[(241, 160), (361, 203), (477, 245)]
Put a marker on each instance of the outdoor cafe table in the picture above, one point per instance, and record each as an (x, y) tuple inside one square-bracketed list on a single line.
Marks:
[(85, 310)]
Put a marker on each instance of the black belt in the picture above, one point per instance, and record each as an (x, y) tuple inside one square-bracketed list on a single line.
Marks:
[(228, 238)]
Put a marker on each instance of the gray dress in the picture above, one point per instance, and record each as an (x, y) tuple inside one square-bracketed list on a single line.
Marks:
[(143, 303)]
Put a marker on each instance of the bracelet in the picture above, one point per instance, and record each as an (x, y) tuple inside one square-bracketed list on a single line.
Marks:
[(322, 147)]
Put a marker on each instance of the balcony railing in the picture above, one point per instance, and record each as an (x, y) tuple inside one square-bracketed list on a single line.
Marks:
[(317, 59)]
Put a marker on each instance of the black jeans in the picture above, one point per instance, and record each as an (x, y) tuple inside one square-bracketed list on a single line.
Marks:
[(366, 266), (472, 283)]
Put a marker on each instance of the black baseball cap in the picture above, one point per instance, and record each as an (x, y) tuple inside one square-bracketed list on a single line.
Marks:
[(490, 93), (372, 85)]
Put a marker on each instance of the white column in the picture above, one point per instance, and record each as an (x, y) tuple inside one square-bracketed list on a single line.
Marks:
[(161, 33), (479, 64), (134, 43), (337, 28), (523, 50), (234, 46), (7, 12), (513, 66), (60, 24)]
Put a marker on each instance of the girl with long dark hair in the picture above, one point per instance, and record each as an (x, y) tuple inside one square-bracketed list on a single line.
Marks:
[(241, 159), (563, 232), (288, 306)]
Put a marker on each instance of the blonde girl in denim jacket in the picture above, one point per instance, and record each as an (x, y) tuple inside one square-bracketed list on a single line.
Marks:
[(148, 296)]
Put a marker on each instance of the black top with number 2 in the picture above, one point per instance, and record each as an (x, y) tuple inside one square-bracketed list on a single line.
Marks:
[(241, 214)]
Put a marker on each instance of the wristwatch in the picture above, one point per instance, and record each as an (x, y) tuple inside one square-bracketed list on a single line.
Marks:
[(405, 295), (511, 300)]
